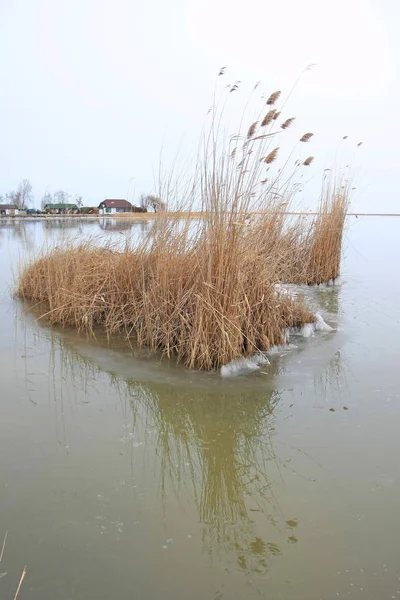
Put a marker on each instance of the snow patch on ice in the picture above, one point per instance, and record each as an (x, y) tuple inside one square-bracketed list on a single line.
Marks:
[(309, 329), (260, 359), (246, 365), (243, 366), (320, 324), (240, 366), (283, 348)]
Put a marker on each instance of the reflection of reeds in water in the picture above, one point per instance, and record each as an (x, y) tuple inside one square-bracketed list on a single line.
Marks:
[(110, 224), (235, 465), (214, 445), (221, 443)]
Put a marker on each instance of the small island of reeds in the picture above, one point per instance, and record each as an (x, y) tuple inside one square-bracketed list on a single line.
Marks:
[(205, 291)]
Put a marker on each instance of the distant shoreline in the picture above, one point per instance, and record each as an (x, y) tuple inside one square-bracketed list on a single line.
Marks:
[(151, 215)]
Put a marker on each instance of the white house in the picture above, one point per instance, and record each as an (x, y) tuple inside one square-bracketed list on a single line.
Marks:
[(110, 207)]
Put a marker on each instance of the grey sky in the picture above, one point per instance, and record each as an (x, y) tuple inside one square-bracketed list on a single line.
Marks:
[(91, 89)]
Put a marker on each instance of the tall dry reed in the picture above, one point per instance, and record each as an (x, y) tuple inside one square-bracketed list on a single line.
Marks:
[(321, 247), (204, 306), (203, 291)]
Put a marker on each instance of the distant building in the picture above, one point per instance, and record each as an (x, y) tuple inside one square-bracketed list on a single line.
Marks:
[(110, 207), (9, 209), (61, 208)]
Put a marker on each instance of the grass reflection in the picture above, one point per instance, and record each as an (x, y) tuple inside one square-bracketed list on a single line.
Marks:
[(212, 447), (221, 444)]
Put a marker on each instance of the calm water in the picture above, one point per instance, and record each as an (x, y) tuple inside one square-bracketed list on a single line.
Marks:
[(123, 477)]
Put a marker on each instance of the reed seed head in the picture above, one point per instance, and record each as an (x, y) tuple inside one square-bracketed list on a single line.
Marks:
[(252, 129), (359, 144), (277, 114), (306, 137), (308, 161), (271, 156), (287, 123), (268, 117), (273, 98)]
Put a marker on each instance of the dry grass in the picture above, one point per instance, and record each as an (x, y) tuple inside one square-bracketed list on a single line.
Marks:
[(204, 307), (4, 574), (20, 583), (324, 242), (3, 546), (204, 290)]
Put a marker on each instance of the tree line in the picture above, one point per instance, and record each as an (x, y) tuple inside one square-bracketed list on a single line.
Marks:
[(60, 197), (23, 198)]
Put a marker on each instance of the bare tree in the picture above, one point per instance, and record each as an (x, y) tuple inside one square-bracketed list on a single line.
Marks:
[(10, 197), (24, 193), (23, 197), (47, 199), (149, 201), (78, 201), (61, 197), (13, 198)]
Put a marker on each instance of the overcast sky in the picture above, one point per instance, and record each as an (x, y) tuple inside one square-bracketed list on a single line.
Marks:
[(91, 89)]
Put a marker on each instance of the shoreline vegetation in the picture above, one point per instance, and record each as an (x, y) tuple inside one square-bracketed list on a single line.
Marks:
[(208, 290), (172, 215)]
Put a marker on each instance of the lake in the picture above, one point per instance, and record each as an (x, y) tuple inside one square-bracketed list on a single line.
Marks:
[(123, 476)]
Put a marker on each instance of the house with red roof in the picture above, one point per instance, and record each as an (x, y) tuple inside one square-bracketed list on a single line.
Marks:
[(110, 207)]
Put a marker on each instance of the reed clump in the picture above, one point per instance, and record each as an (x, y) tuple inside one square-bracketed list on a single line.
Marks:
[(204, 291), (203, 307), (323, 244)]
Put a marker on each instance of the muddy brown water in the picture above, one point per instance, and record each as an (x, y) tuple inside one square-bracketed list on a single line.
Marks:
[(125, 477)]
